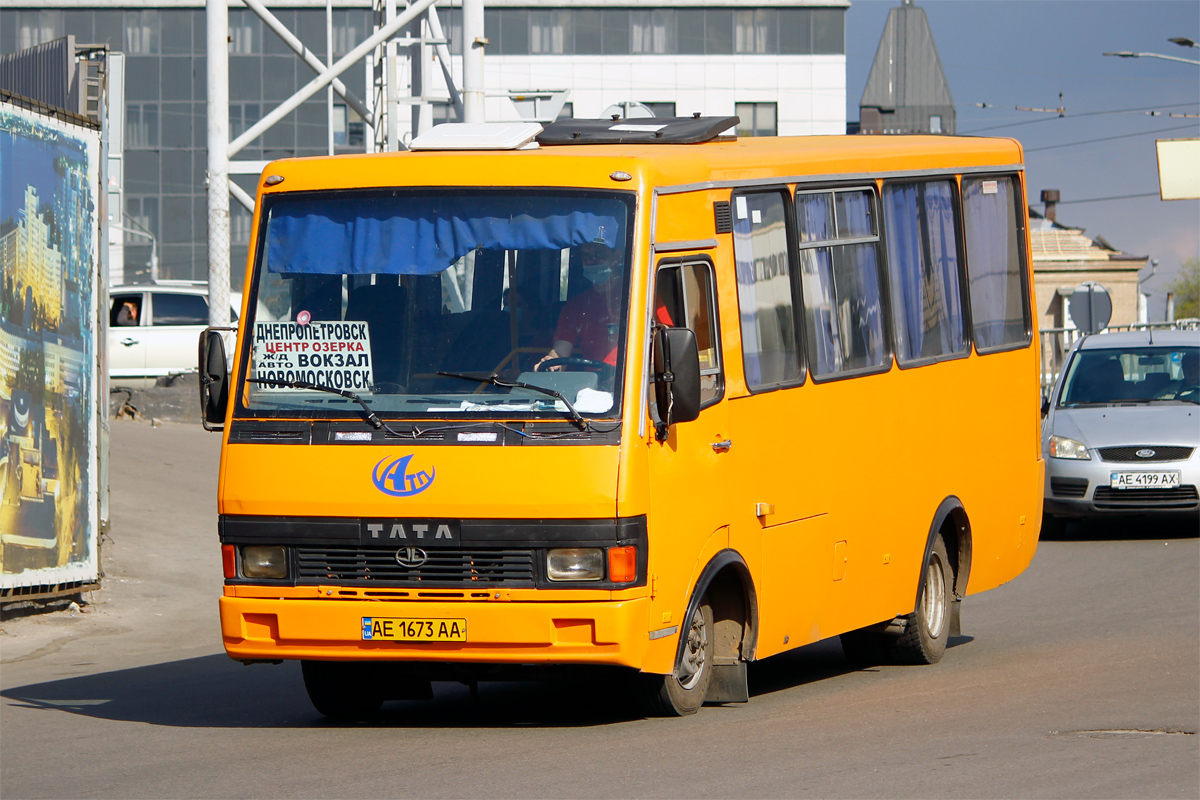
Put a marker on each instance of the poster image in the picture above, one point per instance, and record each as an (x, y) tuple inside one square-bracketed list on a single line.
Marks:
[(49, 178)]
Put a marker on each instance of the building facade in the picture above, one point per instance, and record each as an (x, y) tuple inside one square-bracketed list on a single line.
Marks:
[(780, 66)]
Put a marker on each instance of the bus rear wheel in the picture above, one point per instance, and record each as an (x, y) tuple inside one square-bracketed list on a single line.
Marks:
[(683, 692), (341, 689), (924, 638)]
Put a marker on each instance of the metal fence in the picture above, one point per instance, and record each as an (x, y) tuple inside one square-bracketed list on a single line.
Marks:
[(1056, 343)]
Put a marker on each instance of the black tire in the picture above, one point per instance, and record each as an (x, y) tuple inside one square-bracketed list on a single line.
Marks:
[(924, 638), (683, 692), (341, 689), (866, 648)]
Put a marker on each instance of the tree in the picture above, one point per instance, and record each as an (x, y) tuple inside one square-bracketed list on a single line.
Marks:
[(1186, 287)]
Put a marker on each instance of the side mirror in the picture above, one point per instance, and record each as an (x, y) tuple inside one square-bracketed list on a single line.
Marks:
[(1045, 405), (676, 378), (214, 379)]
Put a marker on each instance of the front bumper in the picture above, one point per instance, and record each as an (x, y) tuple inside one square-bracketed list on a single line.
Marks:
[(603, 633), (1077, 488)]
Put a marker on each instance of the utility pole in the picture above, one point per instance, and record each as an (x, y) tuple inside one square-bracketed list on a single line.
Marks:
[(218, 161)]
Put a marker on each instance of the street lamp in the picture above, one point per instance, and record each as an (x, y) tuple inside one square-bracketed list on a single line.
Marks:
[(1179, 40)]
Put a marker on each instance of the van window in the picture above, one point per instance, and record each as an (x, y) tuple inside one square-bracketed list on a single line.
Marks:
[(999, 313), (180, 309), (922, 251), (770, 346), (684, 299), (839, 279)]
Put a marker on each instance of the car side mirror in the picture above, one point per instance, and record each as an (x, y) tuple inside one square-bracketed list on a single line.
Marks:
[(214, 379), (1045, 406), (676, 378)]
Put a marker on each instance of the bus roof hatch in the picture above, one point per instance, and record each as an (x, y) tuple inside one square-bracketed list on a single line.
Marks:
[(652, 130)]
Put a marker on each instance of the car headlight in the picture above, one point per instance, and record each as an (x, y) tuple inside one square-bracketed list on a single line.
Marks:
[(575, 564), (264, 561), (1062, 447)]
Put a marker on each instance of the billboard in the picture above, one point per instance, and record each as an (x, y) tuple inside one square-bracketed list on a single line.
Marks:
[(49, 328), (1178, 169)]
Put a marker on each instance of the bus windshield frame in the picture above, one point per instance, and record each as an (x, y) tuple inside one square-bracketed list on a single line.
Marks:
[(436, 321)]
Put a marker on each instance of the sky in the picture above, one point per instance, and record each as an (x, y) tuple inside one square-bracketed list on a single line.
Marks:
[(1009, 53)]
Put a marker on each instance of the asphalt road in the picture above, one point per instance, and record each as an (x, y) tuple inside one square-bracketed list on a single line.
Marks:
[(1081, 678)]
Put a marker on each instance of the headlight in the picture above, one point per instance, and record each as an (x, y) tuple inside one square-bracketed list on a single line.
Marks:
[(1062, 447), (263, 561), (575, 564)]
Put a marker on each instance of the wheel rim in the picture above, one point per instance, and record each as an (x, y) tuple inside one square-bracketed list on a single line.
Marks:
[(691, 668), (933, 600)]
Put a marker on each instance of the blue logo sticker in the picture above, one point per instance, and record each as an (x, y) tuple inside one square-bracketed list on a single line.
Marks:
[(393, 478)]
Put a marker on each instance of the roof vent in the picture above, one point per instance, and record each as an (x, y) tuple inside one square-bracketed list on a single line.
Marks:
[(478, 136), (654, 130)]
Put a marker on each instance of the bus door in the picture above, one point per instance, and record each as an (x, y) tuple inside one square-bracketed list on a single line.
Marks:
[(688, 472)]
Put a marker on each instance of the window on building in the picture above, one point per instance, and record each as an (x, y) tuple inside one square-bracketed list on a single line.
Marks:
[(923, 270), (652, 32), (141, 125), (350, 27), (567, 112), (349, 129), (757, 119), (240, 221), (828, 31), (935, 123), (770, 345), (550, 32), (995, 271), (38, 27), (661, 109), (242, 116), (756, 30), (840, 281), (245, 33), (684, 299), (141, 32), (718, 31)]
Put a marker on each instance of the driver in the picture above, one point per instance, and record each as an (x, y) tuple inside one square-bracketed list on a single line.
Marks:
[(1188, 381), (589, 323)]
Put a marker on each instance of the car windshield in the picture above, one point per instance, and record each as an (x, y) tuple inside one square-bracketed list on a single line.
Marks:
[(422, 302), (1133, 375)]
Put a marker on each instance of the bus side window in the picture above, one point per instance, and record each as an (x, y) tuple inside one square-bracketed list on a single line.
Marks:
[(839, 273), (995, 272), (770, 339), (684, 299), (922, 249)]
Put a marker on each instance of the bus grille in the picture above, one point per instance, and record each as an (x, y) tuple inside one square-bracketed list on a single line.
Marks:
[(1181, 497), (1171, 453), (443, 567)]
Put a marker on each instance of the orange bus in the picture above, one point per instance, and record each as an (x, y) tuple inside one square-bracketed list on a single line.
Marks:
[(637, 396)]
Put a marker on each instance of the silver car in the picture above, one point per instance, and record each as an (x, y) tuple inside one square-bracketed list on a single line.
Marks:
[(1122, 429)]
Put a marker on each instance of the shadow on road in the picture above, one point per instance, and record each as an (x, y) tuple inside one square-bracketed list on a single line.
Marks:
[(1125, 529), (215, 692)]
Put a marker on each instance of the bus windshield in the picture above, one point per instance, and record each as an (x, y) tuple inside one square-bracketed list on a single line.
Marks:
[(424, 302)]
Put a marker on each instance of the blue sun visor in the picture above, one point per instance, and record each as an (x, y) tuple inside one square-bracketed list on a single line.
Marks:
[(423, 235)]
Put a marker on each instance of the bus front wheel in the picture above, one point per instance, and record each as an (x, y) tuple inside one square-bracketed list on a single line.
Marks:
[(341, 689), (924, 638), (683, 692)]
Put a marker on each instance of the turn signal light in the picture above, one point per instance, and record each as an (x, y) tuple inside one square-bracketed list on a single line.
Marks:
[(229, 561), (622, 564)]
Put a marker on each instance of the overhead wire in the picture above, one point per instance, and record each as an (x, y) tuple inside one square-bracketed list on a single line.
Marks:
[(1108, 138), (1077, 116)]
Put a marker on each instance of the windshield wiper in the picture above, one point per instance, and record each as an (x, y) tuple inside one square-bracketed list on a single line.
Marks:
[(349, 395), (495, 380)]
